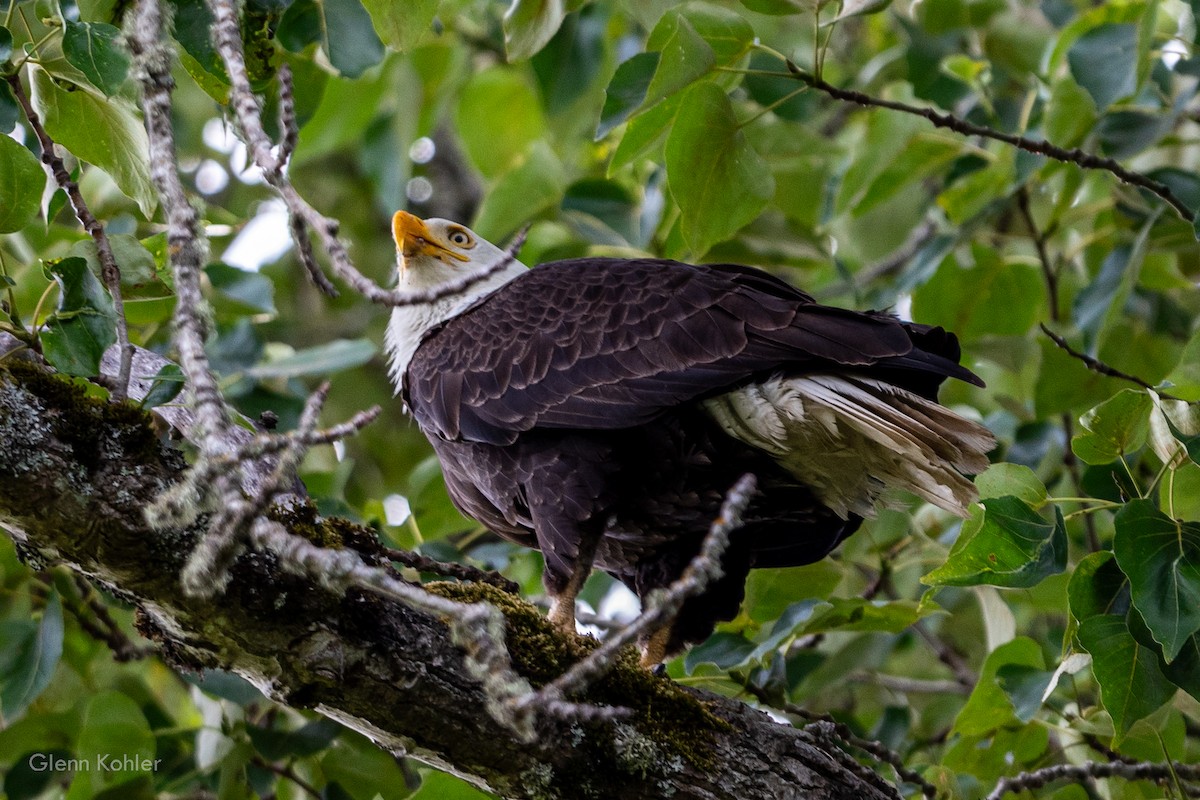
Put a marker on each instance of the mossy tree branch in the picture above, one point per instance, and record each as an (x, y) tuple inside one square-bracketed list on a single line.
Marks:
[(73, 485)]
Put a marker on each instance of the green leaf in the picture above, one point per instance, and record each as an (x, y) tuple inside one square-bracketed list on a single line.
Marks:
[(95, 49), (1104, 61), (684, 58), (9, 112), (1092, 304), (167, 384), (320, 360), (193, 22), (1132, 685), (723, 650), (1070, 113), (716, 178), (726, 32), (6, 44), (923, 155), (1190, 442), (626, 91), (858, 8), (1025, 687), (1098, 587), (24, 782), (529, 25), (779, 8), (1065, 384), (84, 325), (105, 131), (1114, 428), (989, 707), (1184, 379), (857, 614), (1184, 671), (28, 659), (349, 37), (401, 25), (139, 270), (972, 194), (1016, 480), (499, 117), (443, 786), (22, 181), (1161, 556), (252, 292), (771, 592), (1005, 544), (533, 185), (364, 771), (644, 133), (113, 729), (977, 299), (311, 738), (343, 27)]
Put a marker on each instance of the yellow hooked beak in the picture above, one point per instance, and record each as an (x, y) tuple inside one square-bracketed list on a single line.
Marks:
[(413, 238)]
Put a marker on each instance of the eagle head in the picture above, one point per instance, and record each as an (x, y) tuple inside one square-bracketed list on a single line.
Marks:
[(430, 252)]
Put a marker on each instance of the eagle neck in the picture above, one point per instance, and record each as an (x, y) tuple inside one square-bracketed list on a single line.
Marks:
[(409, 324)]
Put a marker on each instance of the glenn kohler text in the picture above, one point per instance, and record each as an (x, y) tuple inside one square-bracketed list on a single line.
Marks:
[(102, 762)]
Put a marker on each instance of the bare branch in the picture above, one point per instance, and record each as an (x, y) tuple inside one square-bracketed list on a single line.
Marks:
[(109, 270), (1139, 771), (463, 572), (1040, 146), (1096, 365), (186, 244)]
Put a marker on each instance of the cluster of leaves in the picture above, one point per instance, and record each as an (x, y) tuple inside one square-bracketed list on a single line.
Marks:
[(1061, 621)]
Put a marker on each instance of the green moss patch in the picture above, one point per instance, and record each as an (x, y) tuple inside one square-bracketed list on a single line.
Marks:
[(662, 710), (85, 417)]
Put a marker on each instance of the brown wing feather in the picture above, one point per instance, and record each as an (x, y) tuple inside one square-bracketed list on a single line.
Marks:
[(608, 343)]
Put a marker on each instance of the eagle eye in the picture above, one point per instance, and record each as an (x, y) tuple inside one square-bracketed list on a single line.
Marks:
[(460, 237)]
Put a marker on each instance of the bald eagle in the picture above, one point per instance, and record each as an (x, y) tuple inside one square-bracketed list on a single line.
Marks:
[(599, 409)]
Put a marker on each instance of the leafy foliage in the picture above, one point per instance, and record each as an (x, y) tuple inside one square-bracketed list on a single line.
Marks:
[(1061, 618)]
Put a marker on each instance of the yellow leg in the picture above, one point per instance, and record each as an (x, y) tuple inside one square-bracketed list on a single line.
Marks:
[(562, 611), (654, 649)]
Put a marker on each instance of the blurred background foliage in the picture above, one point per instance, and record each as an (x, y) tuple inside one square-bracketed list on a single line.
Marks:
[(1057, 624)]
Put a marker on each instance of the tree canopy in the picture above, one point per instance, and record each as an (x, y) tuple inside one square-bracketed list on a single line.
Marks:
[(1025, 174)]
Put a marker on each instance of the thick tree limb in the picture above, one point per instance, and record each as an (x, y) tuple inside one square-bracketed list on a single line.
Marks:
[(73, 484)]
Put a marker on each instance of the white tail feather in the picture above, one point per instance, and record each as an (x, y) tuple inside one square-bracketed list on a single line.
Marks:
[(850, 438)]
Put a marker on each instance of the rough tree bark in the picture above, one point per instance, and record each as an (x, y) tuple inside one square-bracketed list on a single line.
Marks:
[(75, 477)]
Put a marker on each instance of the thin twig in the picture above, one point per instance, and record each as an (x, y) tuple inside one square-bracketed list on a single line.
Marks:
[(1140, 771), (662, 608), (287, 773), (947, 655), (830, 728), (109, 270), (186, 244), (1098, 366), (463, 572), (93, 617), (1050, 276), (1075, 156), (918, 238)]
